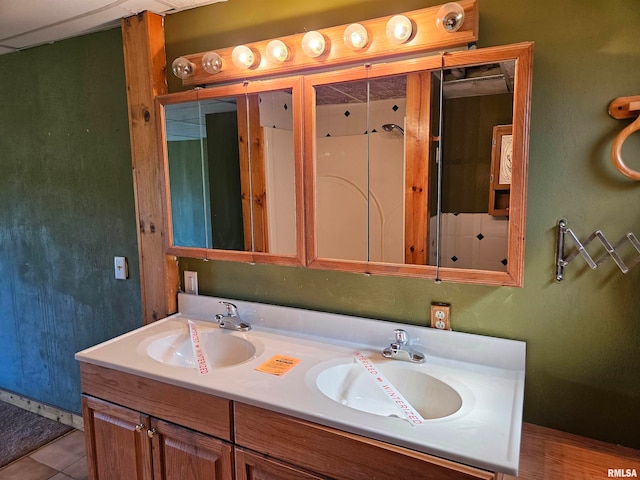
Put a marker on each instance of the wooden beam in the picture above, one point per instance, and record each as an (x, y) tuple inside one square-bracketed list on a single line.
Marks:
[(258, 178), (252, 174), (145, 65), (245, 174), (418, 145)]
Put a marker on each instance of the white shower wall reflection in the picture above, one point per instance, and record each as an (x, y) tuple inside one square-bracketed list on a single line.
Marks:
[(348, 159), (276, 120), (360, 181), (470, 240)]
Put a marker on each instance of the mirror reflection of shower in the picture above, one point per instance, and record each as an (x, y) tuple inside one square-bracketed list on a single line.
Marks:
[(389, 127)]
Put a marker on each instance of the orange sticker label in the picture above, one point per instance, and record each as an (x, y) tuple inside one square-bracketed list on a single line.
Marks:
[(278, 365)]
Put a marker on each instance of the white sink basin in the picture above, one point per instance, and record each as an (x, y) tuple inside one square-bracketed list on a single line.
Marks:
[(223, 348), (351, 385)]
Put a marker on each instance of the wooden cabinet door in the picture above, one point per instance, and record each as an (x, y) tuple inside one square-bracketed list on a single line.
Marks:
[(252, 466), (180, 454), (117, 443)]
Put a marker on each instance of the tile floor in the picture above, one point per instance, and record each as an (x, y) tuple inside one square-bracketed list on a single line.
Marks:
[(62, 459)]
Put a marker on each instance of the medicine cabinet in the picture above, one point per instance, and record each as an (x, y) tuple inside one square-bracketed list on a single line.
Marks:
[(399, 166), (412, 167), (233, 172)]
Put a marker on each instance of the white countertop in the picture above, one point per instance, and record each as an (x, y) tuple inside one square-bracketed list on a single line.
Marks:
[(487, 373)]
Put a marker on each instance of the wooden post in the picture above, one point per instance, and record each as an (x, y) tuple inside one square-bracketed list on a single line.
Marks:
[(145, 65), (252, 175), (258, 178), (418, 145)]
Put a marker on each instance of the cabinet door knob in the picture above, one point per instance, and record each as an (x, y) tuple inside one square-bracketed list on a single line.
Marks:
[(140, 427), (151, 433)]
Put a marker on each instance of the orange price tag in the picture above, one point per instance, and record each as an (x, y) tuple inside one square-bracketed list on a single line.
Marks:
[(278, 365)]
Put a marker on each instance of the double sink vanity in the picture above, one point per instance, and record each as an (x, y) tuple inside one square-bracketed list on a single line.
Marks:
[(287, 398)]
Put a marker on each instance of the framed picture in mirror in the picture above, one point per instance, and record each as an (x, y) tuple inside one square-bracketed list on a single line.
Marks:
[(502, 151), (501, 158)]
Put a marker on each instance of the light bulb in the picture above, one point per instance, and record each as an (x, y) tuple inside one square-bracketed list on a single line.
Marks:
[(211, 62), (277, 51), (356, 36), (182, 68), (399, 29), (313, 44), (450, 17), (243, 57)]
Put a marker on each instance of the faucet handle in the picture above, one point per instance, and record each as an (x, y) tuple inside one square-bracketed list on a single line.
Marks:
[(402, 337), (232, 310)]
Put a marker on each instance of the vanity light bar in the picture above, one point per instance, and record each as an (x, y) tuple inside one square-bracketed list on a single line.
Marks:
[(414, 32)]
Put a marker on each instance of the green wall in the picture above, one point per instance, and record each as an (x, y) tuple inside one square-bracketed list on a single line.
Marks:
[(66, 209), (188, 192), (583, 335)]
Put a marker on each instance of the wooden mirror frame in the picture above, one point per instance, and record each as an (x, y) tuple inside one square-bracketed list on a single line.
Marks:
[(417, 147), (239, 89)]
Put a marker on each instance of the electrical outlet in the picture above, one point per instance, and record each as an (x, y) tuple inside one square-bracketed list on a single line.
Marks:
[(191, 282), (441, 316)]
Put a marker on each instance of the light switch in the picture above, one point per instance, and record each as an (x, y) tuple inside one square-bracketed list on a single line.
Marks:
[(191, 282), (121, 268)]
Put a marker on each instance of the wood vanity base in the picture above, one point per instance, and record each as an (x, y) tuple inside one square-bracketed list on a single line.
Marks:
[(144, 429), (223, 437)]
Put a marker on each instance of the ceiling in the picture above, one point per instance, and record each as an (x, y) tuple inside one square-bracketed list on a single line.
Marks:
[(28, 23), (471, 81)]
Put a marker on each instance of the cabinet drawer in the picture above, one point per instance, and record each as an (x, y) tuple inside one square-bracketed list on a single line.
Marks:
[(196, 410), (338, 454), (253, 466)]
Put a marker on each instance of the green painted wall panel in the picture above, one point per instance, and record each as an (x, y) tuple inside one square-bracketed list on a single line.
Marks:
[(188, 192), (67, 208), (583, 335), (224, 178)]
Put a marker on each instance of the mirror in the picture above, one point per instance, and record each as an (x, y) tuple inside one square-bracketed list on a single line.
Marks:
[(412, 168), (477, 110), (402, 166), (233, 172), (204, 168), (360, 169)]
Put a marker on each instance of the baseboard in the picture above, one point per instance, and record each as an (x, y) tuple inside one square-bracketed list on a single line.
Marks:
[(47, 411)]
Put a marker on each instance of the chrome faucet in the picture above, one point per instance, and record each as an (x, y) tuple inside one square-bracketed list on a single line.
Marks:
[(400, 349), (231, 320)]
